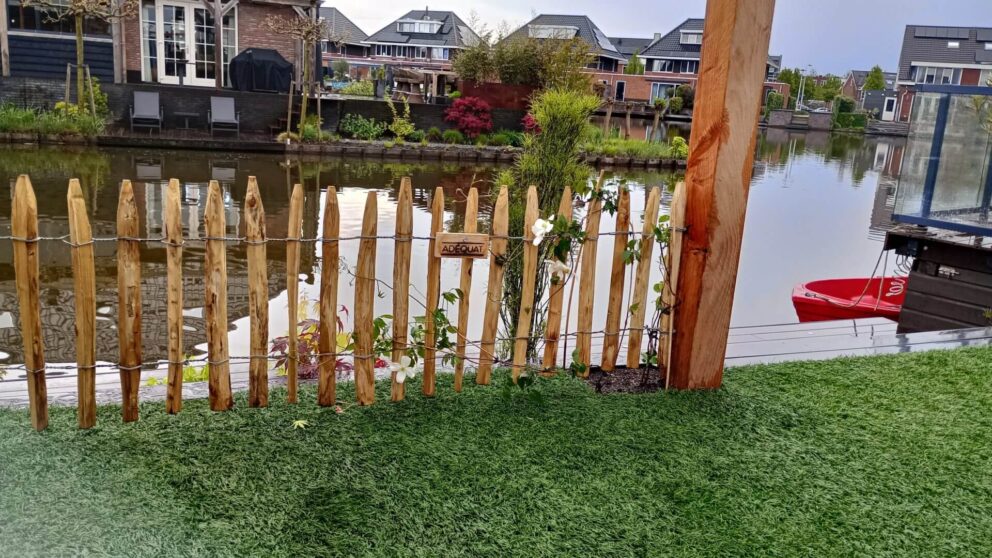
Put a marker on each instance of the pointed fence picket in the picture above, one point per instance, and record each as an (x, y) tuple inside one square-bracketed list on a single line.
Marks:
[(26, 259)]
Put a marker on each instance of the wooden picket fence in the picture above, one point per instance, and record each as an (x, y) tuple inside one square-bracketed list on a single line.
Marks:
[(27, 257)]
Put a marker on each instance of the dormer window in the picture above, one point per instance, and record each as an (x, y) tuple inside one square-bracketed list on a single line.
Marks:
[(417, 26), (551, 31), (953, 44), (692, 37), (988, 46)]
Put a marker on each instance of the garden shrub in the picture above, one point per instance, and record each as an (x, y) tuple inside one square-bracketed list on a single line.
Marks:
[(774, 101), (359, 127), (687, 94), (401, 126), (850, 120), (675, 105), (471, 115), (455, 95), (453, 137), (340, 68), (434, 134), (844, 105), (65, 120), (416, 136), (680, 148), (363, 88)]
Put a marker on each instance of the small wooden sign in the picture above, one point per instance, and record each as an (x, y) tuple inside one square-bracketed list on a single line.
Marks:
[(461, 245)]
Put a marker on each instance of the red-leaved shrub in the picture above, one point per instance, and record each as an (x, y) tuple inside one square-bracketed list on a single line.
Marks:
[(471, 115), (530, 124)]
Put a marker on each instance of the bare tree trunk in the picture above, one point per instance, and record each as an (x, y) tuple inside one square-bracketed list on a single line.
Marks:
[(609, 117), (654, 126), (306, 85), (626, 131), (218, 45), (80, 89)]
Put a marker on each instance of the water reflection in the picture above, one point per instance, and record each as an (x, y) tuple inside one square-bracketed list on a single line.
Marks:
[(818, 207)]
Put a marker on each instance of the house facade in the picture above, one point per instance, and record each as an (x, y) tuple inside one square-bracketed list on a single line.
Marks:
[(166, 42), (882, 103), (950, 56), (420, 39), (605, 56), (670, 60)]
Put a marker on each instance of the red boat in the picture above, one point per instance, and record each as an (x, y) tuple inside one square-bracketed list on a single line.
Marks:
[(842, 299)]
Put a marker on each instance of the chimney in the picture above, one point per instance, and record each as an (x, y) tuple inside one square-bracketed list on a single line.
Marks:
[(657, 36)]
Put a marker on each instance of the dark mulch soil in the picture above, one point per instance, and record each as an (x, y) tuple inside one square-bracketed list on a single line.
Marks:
[(625, 380)]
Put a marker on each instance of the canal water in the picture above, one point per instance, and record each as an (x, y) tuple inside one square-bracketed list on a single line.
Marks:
[(818, 208)]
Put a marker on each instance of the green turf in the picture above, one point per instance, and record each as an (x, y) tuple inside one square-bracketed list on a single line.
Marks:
[(872, 457)]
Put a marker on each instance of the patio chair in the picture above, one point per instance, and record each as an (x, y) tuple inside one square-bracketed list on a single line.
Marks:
[(146, 112), (223, 117)]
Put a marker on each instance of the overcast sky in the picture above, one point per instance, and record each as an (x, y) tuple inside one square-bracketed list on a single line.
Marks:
[(833, 36)]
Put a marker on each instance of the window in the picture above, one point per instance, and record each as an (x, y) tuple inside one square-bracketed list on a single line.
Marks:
[(149, 58), (551, 31), (692, 38), (947, 76), (930, 75), (415, 26), (988, 46), (421, 52), (439, 53), (660, 90), (986, 78), (661, 66), (953, 44), (25, 17)]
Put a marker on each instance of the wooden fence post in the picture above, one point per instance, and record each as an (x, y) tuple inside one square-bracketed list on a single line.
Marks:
[(84, 280), (494, 289), (215, 305), (677, 222), (614, 306), (327, 393), (556, 297), (364, 303), (587, 277), (258, 297), (293, 288), (24, 225), (129, 300), (174, 295), (721, 154), (465, 284), (401, 279), (433, 293), (639, 300), (528, 280)]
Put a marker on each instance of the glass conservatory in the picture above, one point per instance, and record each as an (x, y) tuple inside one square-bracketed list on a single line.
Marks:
[(945, 178)]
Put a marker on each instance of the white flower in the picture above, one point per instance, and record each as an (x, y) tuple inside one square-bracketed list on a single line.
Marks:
[(403, 369), (558, 268), (540, 229)]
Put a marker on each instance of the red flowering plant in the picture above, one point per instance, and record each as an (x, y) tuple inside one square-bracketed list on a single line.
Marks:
[(530, 124), (308, 345), (471, 115)]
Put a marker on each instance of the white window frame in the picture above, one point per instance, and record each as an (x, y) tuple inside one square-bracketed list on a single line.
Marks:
[(616, 89), (953, 44), (691, 37)]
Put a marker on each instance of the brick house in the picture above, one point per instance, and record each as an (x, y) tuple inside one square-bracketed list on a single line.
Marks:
[(882, 102), (950, 56), (168, 41), (420, 39), (670, 60), (605, 56)]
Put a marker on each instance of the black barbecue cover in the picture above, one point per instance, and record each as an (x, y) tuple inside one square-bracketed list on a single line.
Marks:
[(260, 69)]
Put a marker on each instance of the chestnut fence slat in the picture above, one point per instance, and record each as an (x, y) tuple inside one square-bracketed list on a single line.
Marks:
[(639, 299), (401, 280), (529, 278), (174, 295), (129, 300), (84, 282), (465, 285), (293, 289), (24, 227), (556, 296), (614, 305), (364, 305), (327, 381), (433, 294), (587, 277), (215, 305), (677, 221), (258, 297), (520, 344), (494, 291)]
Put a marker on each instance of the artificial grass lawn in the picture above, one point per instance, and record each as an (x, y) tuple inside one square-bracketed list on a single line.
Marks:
[(872, 457)]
